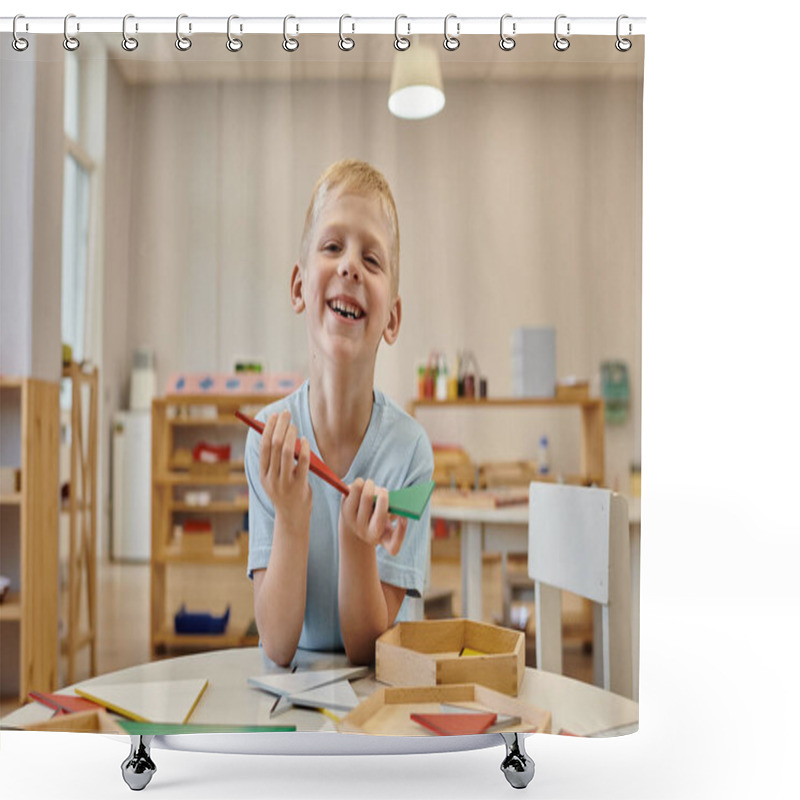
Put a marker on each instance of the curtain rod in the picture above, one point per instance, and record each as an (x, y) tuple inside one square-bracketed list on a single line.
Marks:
[(457, 26)]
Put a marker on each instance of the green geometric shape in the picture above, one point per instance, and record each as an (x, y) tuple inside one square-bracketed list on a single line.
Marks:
[(165, 729), (411, 501)]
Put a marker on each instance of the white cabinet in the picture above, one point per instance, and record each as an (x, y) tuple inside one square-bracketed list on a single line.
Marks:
[(132, 483)]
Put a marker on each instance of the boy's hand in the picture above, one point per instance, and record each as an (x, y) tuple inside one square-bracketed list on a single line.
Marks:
[(285, 481), (369, 519)]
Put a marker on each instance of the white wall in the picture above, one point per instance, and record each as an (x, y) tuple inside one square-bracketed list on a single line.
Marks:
[(31, 175), (116, 351), (519, 205)]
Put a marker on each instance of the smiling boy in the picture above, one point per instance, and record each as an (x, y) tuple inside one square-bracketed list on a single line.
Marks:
[(333, 574)]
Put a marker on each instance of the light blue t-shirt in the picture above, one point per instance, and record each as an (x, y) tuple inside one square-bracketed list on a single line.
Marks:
[(394, 453)]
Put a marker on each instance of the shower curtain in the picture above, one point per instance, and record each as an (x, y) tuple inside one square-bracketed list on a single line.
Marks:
[(172, 226)]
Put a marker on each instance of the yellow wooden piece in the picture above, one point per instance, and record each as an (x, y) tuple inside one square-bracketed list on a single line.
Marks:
[(329, 714), (469, 651)]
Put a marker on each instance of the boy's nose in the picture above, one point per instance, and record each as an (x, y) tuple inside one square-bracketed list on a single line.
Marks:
[(348, 266)]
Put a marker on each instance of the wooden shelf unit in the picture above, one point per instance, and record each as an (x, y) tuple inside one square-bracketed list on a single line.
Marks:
[(29, 536), (592, 423), (81, 508), (171, 418)]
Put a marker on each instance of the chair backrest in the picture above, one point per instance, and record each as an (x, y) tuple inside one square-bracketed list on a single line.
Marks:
[(578, 540)]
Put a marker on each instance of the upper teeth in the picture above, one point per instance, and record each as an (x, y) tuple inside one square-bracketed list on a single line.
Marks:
[(346, 308)]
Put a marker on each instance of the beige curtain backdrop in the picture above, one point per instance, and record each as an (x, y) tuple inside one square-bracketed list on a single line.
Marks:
[(519, 204)]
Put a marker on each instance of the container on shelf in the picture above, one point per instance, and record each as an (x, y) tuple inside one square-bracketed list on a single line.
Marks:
[(533, 362), (200, 621)]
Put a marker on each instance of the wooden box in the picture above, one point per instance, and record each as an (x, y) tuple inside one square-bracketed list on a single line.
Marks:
[(573, 391), (95, 721), (210, 468), (453, 467), (197, 543), (500, 497), (387, 710), (508, 473), (429, 654)]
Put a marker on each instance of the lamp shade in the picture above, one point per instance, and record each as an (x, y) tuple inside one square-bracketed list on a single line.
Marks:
[(416, 91)]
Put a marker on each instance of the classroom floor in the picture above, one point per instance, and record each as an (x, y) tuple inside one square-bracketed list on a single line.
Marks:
[(124, 625)]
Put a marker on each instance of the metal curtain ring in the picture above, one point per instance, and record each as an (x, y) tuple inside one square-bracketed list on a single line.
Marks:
[(182, 42), (17, 42), (70, 42), (400, 42), (623, 45), (507, 42), (561, 44), (290, 44), (129, 43), (451, 42), (345, 43), (233, 44)]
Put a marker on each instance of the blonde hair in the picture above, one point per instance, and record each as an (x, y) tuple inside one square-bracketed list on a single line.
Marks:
[(356, 177)]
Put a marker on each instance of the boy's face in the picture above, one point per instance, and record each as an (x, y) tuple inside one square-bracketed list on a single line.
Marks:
[(345, 285)]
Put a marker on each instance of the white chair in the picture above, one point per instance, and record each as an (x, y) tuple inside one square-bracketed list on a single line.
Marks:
[(578, 540)]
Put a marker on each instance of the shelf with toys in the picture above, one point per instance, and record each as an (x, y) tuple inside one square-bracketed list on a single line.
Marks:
[(199, 516)]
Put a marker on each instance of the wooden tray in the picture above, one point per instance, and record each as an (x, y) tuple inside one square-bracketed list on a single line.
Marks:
[(387, 711), (429, 654), (95, 721)]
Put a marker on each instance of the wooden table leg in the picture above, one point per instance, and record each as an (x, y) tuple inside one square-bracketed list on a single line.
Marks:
[(471, 570)]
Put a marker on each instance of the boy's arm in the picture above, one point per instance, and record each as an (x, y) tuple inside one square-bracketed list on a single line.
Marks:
[(280, 592), (367, 607)]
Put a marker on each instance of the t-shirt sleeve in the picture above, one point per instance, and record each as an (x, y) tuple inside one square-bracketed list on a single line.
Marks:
[(409, 568), (261, 514)]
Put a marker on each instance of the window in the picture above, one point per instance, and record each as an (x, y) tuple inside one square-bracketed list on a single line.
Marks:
[(78, 169), (74, 256)]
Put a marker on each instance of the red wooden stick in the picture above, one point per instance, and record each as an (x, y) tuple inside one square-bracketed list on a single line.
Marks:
[(317, 465)]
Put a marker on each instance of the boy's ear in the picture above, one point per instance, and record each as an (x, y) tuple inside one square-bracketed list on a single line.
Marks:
[(296, 290), (392, 329)]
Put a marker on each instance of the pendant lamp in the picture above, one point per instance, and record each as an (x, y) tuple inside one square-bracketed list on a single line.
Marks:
[(416, 90)]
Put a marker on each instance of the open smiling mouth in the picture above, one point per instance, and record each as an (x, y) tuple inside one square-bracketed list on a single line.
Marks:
[(346, 310)]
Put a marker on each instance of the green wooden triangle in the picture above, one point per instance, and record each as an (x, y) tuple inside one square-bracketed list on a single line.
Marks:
[(164, 729), (411, 501)]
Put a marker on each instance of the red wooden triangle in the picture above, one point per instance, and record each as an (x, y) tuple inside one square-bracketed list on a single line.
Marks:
[(456, 724), (64, 703)]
